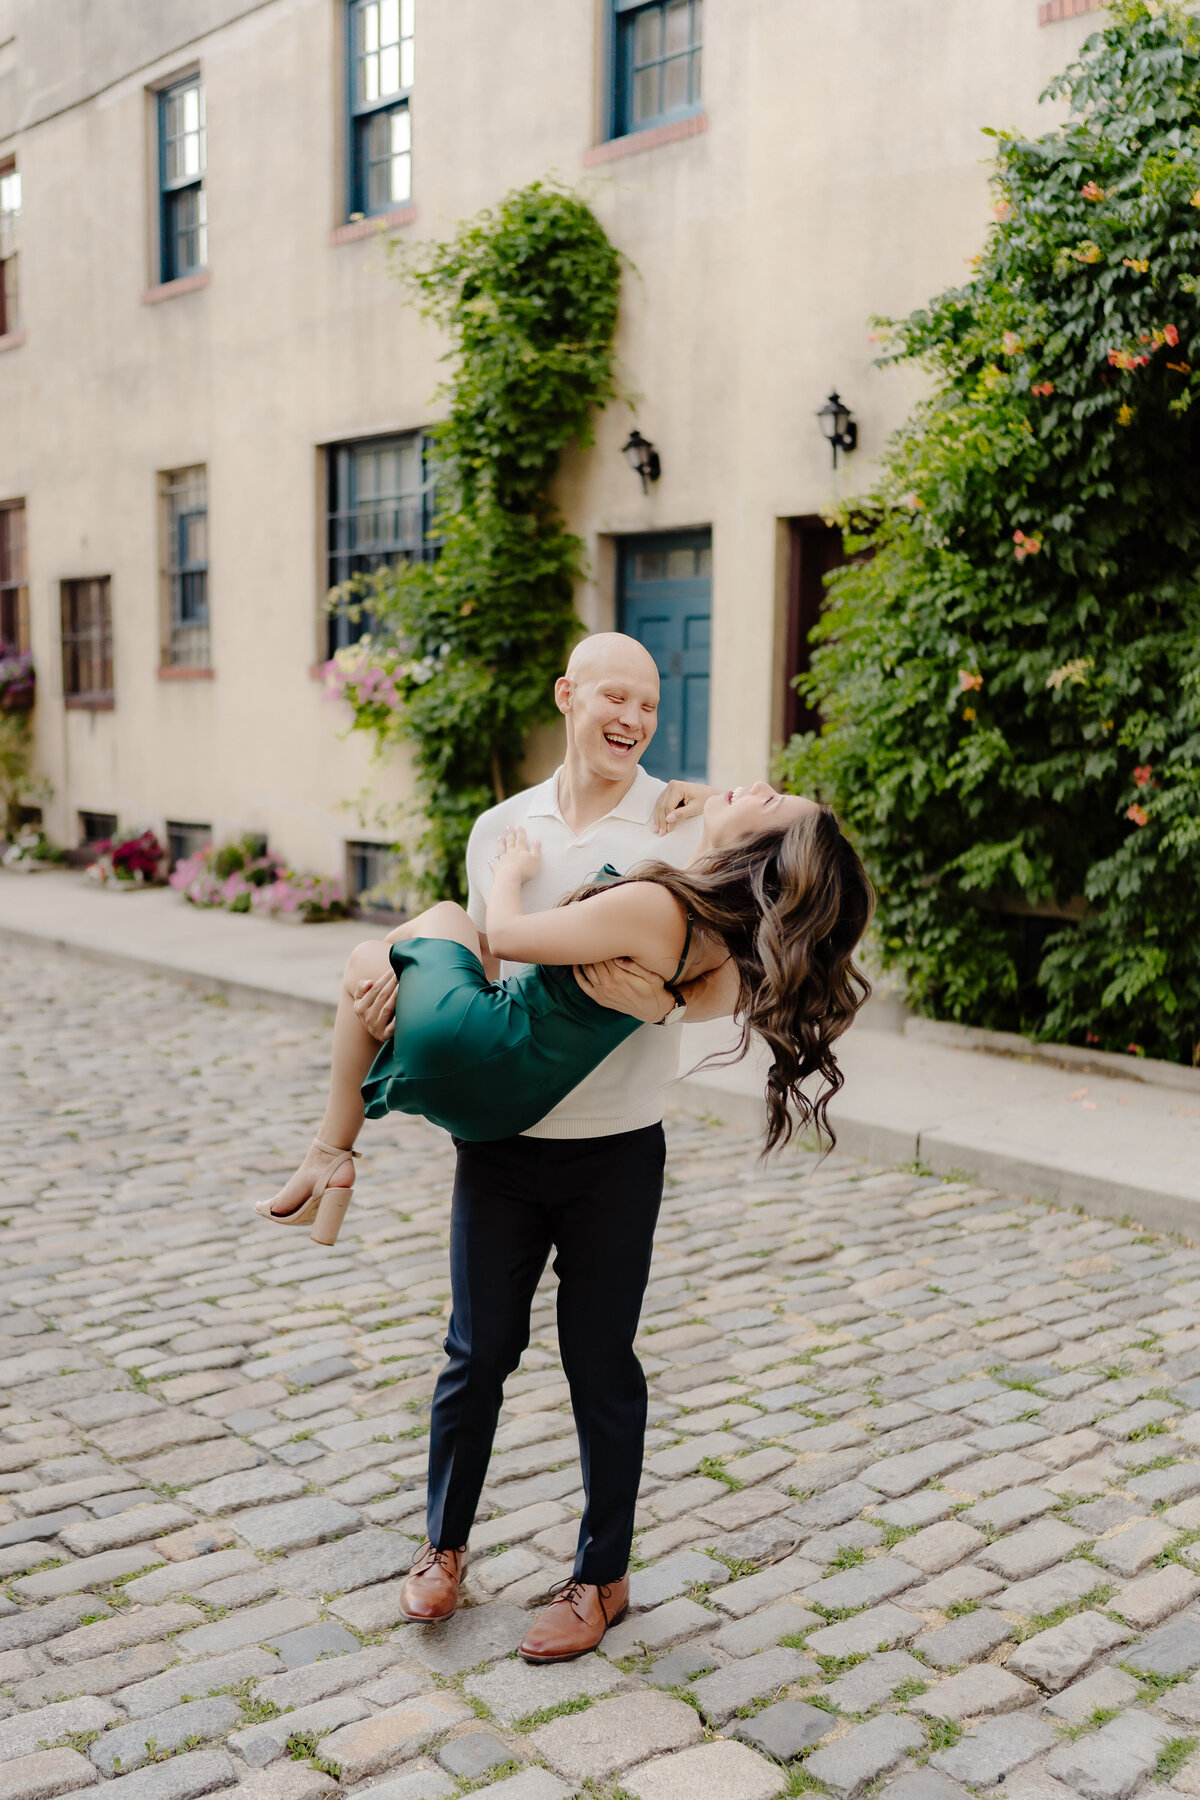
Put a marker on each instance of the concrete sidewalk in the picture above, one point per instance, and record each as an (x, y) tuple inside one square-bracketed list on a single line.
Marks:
[(1108, 1143)]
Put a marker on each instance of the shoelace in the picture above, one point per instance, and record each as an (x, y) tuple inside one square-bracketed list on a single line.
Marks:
[(429, 1558), (567, 1592)]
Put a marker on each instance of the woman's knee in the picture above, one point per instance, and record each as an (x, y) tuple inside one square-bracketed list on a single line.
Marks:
[(366, 961)]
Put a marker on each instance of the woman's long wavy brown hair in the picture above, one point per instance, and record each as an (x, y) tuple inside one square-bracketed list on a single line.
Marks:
[(791, 907)]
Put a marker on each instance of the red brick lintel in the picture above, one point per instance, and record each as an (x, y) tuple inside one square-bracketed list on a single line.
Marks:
[(637, 141), (363, 228), (167, 290), (1051, 11)]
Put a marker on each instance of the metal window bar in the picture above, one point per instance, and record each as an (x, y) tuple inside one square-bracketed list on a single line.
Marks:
[(381, 80), (94, 827), (10, 244), (87, 650), (368, 867), (187, 645), (662, 52), (14, 577), (184, 840), (183, 155), (382, 501)]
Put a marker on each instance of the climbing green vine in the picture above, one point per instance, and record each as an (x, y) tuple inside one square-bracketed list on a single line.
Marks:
[(462, 651), (1011, 685)]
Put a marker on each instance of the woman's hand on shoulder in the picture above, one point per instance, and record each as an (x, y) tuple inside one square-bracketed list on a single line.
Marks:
[(516, 856), (680, 800)]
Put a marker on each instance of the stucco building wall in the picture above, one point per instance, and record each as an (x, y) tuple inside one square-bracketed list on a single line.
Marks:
[(838, 170)]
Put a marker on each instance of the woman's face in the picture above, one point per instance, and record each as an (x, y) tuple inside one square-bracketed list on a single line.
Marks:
[(747, 811)]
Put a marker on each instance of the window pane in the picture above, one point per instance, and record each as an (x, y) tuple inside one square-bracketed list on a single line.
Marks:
[(389, 70), (369, 80), (370, 19), (647, 35), (401, 131), (648, 565), (389, 21), (704, 562), (676, 26), (675, 83), (697, 21), (406, 63), (681, 565), (407, 8), (697, 90), (645, 93)]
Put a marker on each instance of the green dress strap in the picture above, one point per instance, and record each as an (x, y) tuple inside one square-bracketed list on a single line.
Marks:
[(608, 873)]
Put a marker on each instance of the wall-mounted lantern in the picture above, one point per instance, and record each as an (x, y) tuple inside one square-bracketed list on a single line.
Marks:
[(642, 458), (837, 425)]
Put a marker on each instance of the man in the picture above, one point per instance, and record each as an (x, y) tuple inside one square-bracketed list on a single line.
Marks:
[(585, 1182)]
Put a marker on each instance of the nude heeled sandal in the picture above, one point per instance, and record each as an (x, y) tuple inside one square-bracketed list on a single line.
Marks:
[(326, 1205)]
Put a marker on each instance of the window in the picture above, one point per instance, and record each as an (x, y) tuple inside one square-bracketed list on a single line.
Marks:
[(87, 641), (186, 840), (10, 244), (370, 869), (94, 827), (185, 568), (380, 511), (658, 52), (14, 577), (182, 154), (381, 78)]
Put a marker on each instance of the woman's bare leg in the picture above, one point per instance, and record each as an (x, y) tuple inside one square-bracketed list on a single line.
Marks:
[(354, 1049)]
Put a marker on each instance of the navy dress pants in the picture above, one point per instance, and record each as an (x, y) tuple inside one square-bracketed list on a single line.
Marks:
[(594, 1202)]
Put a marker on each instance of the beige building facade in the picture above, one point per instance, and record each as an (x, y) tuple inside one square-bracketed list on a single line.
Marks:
[(212, 395)]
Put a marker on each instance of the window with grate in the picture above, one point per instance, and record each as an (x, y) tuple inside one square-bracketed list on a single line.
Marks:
[(87, 646), (184, 495), (381, 503), (184, 840), (14, 577), (182, 156), (10, 244), (369, 869), (94, 827), (380, 64), (657, 66)]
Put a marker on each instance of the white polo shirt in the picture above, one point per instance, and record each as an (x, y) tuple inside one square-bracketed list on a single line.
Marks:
[(625, 1091)]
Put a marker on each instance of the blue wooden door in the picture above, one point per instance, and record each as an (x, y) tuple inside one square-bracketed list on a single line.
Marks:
[(665, 601)]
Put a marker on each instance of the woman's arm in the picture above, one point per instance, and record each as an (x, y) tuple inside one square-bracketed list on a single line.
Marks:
[(638, 919)]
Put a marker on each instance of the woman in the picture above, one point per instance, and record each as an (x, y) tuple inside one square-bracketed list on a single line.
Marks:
[(774, 888)]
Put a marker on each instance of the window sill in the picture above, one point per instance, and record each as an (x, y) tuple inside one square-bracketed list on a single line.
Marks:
[(89, 702), (1050, 12), (637, 141), (370, 227), (11, 340), (169, 672), (167, 290), (316, 671)]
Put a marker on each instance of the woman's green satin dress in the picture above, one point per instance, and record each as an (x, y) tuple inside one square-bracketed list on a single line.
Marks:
[(487, 1059)]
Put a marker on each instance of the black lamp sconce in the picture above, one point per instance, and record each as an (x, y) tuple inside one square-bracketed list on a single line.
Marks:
[(838, 425), (642, 458)]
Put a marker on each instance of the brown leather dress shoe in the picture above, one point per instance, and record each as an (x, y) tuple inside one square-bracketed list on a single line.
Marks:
[(430, 1591), (576, 1619)]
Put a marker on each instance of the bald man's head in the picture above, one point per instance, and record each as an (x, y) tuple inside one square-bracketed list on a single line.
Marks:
[(604, 654), (609, 698)]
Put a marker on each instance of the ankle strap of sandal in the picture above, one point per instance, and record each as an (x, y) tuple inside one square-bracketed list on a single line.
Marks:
[(336, 1149)]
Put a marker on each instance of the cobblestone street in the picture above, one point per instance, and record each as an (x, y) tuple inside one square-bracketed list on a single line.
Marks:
[(921, 1512)]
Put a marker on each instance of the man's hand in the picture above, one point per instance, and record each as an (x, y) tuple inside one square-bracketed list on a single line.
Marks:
[(680, 800), (375, 1004), (625, 987)]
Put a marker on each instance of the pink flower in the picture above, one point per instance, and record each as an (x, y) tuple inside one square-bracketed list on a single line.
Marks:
[(1045, 388), (1025, 546), (969, 683), (1138, 814), (1171, 334), (1091, 191), (1142, 775)]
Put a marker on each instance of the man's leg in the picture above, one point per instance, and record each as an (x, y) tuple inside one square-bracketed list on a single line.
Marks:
[(499, 1242), (607, 1195), (604, 1233)]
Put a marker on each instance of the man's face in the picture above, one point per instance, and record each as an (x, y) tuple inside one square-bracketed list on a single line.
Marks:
[(611, 716)]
